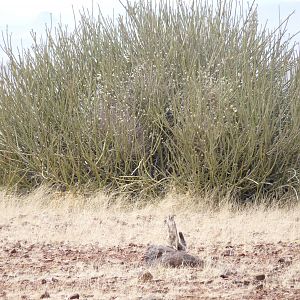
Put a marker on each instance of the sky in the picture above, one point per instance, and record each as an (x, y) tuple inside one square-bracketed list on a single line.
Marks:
[(19, 17)]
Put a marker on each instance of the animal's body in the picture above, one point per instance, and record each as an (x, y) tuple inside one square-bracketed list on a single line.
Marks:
[(176, 240)]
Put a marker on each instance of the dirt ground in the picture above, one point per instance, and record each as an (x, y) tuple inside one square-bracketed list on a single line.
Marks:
[(98, 254)]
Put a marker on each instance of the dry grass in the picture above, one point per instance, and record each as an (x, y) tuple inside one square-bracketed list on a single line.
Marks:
[(56, 221), (75, 220)]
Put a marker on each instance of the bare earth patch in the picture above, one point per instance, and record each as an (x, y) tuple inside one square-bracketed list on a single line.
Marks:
[(65, 253)]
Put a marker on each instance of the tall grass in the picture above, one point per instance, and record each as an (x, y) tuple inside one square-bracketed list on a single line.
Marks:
[(199, 97)]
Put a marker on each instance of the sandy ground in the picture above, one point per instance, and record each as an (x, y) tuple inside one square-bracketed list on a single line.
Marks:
[(69, 250)]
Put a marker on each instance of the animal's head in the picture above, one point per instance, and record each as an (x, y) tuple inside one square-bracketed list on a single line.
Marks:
[(169, 218)]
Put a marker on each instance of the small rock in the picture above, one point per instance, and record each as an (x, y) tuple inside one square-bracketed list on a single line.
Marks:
[(150, 297), (18, 245), (75, 296), (95, 277), (238, 282), (45, 295), (286, 260), (228, 252), (13, 251), (44, 281), (259, 287), (260, 277), (145, 276), (246, 282), (227, 273)]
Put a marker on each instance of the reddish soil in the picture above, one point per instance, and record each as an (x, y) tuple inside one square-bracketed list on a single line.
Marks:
[(63, 270)]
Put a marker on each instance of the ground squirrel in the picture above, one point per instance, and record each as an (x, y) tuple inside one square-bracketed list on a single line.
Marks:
[(176, 240)]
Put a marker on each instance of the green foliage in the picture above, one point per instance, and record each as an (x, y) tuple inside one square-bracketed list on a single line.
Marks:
[(201, 98)]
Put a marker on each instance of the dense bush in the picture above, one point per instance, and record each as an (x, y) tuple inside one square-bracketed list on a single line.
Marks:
[(202, 98)]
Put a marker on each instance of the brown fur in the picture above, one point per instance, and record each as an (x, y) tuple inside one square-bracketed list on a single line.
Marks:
[(175, 240)]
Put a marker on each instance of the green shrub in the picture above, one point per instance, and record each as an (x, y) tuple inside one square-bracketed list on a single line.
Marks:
[(197, 97)]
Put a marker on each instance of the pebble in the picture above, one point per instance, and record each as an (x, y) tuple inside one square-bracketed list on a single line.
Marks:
[(145, 276), (260, 277), (45, 295)]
